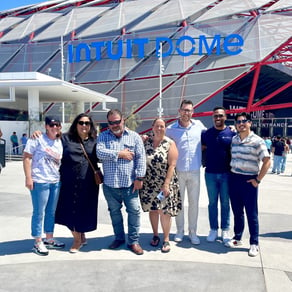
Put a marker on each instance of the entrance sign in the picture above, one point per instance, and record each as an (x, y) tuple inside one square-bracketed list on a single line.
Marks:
[(217, 45)]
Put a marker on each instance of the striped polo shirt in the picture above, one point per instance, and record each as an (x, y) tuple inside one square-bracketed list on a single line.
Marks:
[(247, 154)]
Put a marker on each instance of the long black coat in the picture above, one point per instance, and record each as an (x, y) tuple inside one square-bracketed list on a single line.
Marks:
[(78, 200)]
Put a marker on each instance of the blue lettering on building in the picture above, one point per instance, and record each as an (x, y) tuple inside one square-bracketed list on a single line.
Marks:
[(230, 45)]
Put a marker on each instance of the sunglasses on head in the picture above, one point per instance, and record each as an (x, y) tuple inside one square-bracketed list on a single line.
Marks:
[(114, 122), (218, 116), (54, 124), (82, 123), (238, 122)]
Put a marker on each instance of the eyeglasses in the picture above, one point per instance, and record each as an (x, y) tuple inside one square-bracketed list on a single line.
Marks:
[(54, 124), (220, 116), (82, 123), (241, 122), (114, 122), (186, 110)]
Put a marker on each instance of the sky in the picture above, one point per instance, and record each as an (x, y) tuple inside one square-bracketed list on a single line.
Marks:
[(10, 4)]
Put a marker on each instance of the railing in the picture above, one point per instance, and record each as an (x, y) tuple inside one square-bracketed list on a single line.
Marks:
[(9, 152)]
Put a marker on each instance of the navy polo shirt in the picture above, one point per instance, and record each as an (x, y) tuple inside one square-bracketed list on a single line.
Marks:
[(218, 154)]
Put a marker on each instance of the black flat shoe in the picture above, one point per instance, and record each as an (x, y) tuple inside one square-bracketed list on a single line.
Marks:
[(155, 241)]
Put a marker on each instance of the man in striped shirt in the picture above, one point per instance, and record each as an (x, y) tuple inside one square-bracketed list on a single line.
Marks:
[(247, 152)]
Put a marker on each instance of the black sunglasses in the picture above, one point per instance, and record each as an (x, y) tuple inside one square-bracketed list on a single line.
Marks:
[(241, 122), (220, 116), (114, 122), (81, 123), (54, 124)]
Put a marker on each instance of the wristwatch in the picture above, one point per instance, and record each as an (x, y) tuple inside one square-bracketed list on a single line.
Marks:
[(140, 178), (258, 181)]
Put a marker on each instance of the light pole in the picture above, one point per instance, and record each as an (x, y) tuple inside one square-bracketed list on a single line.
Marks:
[(161, 70)]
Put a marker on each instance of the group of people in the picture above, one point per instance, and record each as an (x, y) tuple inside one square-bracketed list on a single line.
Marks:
[(154, 172), (15, 143), (279, 149)]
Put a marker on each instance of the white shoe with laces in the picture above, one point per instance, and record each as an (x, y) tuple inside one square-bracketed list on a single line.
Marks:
[(233, 243), (194, 238), (179, 237), (225, 236), (40, 249), (253, 251), (213, 234)]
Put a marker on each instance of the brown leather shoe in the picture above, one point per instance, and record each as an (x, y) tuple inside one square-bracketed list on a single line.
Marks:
[(136, 248), (116, 244)]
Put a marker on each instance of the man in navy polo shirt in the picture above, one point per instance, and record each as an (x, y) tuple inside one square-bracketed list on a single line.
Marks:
[(216, 142)]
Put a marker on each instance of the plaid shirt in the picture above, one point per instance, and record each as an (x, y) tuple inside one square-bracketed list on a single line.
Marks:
[(118, 172)]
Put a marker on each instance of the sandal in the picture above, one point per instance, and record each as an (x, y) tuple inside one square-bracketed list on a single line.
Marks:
[(155, 241), (165, 247)]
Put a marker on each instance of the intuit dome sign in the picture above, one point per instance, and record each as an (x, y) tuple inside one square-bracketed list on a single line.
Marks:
[(231, 45)]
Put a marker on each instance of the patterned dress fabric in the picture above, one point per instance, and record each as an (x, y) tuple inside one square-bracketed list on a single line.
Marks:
[(157, 167)]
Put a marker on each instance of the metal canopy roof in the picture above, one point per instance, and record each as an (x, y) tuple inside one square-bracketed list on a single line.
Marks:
[(231, 7), (70, 22), (281, 4), (50, 89)]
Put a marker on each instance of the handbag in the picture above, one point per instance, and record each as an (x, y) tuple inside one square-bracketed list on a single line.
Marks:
[(98, 175)]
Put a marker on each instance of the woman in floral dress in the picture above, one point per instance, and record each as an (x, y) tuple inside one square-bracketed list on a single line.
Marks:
[(160, 176)]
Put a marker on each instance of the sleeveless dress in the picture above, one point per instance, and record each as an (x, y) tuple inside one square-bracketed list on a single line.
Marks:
[(156, 171)]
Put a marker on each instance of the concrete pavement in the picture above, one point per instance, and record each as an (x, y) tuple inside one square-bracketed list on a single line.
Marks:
[(206, 267)]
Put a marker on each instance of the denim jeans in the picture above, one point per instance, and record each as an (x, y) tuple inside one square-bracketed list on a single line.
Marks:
[(44, 202), (243, 195), (115, 198), (283, 163), (190, 181), (218, 188), (277, 163)]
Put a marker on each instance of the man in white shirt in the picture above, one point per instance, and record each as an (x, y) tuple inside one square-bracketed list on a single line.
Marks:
[(187, 135)]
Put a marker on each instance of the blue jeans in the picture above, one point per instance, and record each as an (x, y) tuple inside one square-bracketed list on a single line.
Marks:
[(244, 195), (115, 198), (218, 187), (277, 163), (44, 202)]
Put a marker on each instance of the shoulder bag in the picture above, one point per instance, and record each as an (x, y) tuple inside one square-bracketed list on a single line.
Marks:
[(98, 175)]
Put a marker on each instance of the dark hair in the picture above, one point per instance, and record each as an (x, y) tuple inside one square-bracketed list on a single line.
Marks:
[(219, 108), (73, 128), (153, 123), (114, 112), (243, 114), (186, 102)]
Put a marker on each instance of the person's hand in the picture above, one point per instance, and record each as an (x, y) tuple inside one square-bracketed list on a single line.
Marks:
[(126, 154), (29, 183), (232, 128), (36, 134), (165, 190), (253, 182), (144, 138), (137, 185)]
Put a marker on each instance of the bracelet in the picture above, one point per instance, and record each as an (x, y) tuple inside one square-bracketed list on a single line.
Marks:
[(140, 178), (258, 181)]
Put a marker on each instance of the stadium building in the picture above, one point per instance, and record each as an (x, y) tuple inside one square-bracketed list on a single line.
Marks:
[(146, 56)]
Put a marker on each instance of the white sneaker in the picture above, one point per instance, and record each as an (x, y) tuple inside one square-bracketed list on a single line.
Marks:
[(225, 236), (179, 237), (213, 234), (40, 249), (233, 243), (194, 238), (253, 251)]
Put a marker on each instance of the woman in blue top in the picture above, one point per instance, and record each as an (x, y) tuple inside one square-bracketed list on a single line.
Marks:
[(41, 163)]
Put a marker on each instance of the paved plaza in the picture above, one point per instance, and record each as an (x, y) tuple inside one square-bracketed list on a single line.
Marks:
[(205, 267)]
